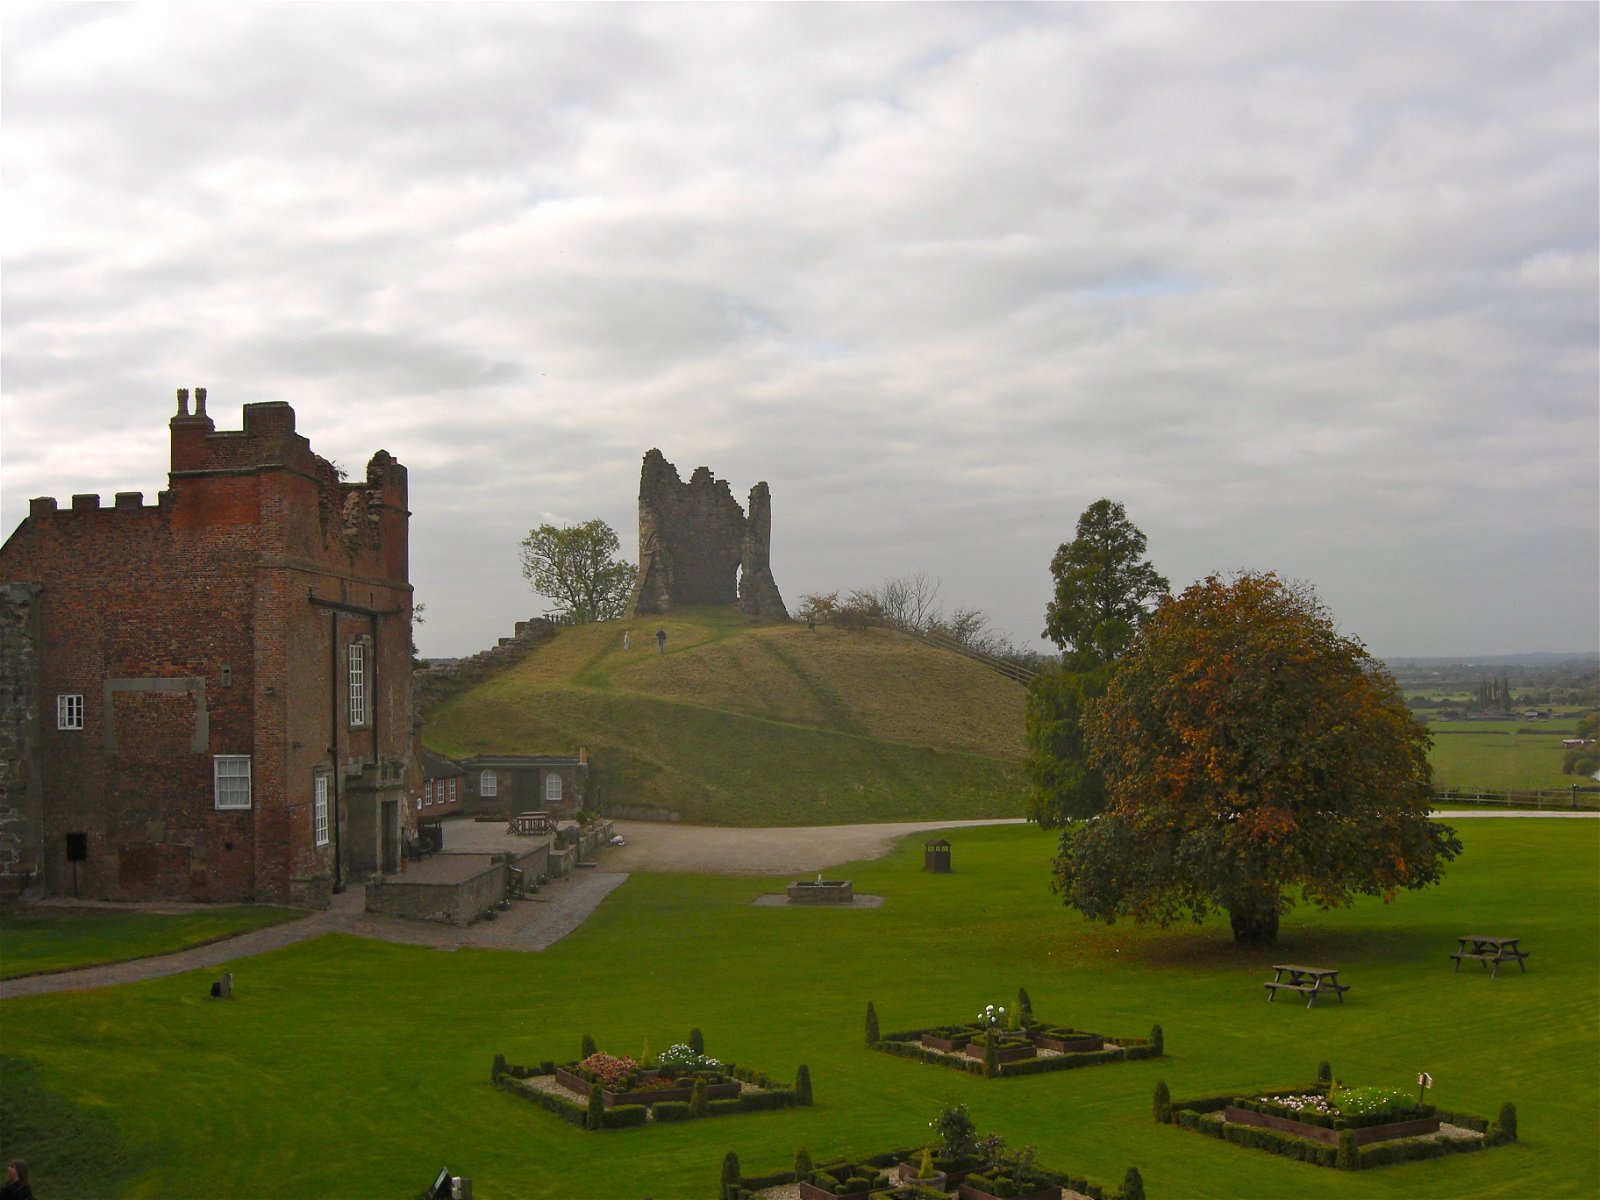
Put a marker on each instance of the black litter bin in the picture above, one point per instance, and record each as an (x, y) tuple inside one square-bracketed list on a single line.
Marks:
[(432, 833)]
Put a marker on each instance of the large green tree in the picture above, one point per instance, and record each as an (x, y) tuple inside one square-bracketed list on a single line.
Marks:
[(576, 566), (1105, 588), (1250, 754), (1104, 592)]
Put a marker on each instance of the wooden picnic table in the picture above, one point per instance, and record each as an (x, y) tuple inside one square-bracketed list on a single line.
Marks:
[(1308, 981), (531, 822), (1489, 950)]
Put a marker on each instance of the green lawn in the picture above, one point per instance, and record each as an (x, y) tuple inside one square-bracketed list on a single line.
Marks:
[(356, 1068), (39, 940)]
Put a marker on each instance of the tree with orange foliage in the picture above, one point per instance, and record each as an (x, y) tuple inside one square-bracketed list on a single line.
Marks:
[(1250, 752)]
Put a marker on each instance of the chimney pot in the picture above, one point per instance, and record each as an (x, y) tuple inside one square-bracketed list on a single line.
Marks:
[(199, 402), (183, 402)]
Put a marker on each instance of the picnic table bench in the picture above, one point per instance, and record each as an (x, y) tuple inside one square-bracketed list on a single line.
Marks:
[(1308, 981), (531, 823), (1489, 950)]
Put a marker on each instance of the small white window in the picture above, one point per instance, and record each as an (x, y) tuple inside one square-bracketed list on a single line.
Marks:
[(69, 711), (452, 790), (358, 683), (232, 775), (488, 784), (552, 789), (319, 810)]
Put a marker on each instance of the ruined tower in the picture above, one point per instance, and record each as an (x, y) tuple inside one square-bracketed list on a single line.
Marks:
[(694, 539)]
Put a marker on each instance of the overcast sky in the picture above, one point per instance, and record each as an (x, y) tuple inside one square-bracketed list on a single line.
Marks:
[(1309, 288)]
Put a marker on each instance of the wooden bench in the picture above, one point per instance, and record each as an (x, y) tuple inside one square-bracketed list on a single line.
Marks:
[(418, 849), (530, 823), (1490, 950), (1309, 982)]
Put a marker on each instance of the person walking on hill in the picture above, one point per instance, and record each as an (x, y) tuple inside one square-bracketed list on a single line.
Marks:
[(661, 640)]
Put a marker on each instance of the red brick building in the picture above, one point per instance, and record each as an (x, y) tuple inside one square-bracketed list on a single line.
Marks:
[(222, 679)]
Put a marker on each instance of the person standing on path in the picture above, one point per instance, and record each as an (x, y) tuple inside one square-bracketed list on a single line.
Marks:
[(661, 640), (627, 639)]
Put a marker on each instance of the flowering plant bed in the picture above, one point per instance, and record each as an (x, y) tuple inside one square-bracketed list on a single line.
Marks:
[(992, 1173), (1032, 1048), (1351, 1128), (605, 1091)]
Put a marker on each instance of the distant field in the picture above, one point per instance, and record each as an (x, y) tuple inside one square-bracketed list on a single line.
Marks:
[(1500, 755), (757, 724)]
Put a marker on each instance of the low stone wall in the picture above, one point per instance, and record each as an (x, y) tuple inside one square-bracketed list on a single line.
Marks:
[(458, 902), (642, 812)]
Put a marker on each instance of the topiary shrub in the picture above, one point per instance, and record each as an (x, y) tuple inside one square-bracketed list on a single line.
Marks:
[(1161, 1102), (802, 1086), (597, 1108), (1505, 1125), (1348, 1157), (697, 1041), (730, 1175), (1158, 1041), (498, 1069), (802, 1164), (1324, 1072), (991, 1055), (1024, 1006), (872, 1025), (588, 1047), (1132, 1185), (699, 1105)]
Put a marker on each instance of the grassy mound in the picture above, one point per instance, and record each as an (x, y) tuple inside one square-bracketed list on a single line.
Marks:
[(741, 723)]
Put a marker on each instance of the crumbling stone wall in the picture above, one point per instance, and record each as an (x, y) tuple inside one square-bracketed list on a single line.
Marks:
[(696, 545), (440, 681)]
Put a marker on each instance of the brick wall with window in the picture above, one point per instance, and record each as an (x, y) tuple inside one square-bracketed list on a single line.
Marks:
[(190, 673)]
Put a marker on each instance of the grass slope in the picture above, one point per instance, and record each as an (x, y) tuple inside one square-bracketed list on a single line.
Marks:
[(758, 724), (356, 1068), (41, 940)]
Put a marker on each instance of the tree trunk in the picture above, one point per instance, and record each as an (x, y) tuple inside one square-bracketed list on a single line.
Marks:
[(1255, 924)]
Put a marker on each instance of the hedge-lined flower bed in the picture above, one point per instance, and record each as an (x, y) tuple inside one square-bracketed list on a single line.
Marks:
[(1351, 1129), (1015, 1052), (604, 1091)]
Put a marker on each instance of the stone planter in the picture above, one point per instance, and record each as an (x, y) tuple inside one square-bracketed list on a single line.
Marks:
[(1005, 1052), (826, 891), (1330, 1137), (1080, 1043), (943, 1181), (968, 1191), (810, 1191), (714, 1091), (950, 1045)]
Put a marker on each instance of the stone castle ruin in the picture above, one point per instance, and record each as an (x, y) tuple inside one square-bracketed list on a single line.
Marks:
[(697, 546)]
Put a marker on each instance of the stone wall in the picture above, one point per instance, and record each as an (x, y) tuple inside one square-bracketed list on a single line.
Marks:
[(437, 683), (694, 539), (21, 806)]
